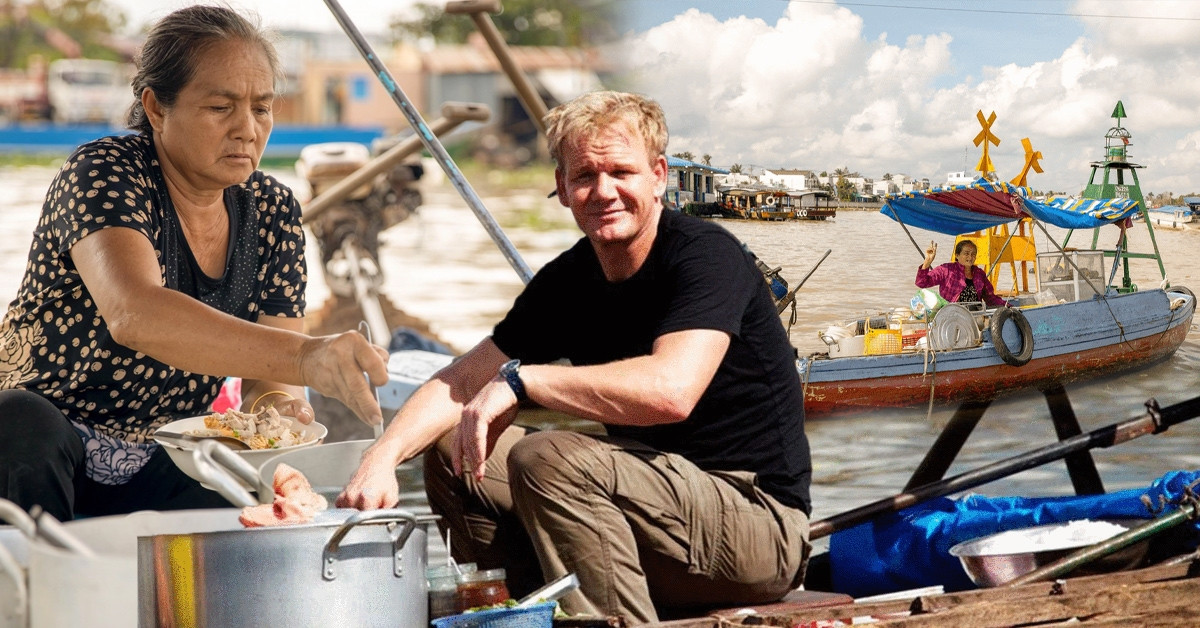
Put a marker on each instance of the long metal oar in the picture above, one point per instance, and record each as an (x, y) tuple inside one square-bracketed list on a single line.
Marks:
[(432, 144), (1154, 421)]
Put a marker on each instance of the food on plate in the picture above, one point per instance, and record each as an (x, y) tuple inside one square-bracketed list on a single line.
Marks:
[(295, 501), (266, 429)]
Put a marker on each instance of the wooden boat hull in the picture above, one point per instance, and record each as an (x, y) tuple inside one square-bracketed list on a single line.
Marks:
[(1071, 341)]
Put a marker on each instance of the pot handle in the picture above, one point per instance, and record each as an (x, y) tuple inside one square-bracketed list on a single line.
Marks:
[(221, 468), (15, 515), (329, 555)]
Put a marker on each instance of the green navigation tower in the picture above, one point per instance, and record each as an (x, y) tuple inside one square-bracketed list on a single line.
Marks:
[(1120, 180)]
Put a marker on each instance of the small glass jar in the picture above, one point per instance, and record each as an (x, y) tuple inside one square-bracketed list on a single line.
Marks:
[(443, 588), (481, 588)]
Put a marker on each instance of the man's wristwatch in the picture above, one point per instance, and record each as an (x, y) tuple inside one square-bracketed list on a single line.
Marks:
[(511, 372)]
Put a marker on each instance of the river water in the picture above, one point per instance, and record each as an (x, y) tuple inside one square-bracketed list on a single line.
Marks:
[(441, 266), (871, 268)]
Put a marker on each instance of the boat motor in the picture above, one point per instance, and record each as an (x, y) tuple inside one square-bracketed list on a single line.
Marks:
[(356, 221)]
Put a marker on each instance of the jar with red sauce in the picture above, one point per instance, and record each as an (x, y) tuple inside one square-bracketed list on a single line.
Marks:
[(481, 588), (443, 588)]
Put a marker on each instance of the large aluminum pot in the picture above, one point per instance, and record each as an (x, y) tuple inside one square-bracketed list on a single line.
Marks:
[(67, 588), (366, 571), (14, 558)]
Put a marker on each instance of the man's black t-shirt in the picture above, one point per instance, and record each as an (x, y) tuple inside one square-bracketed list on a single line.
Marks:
[(697, 276)]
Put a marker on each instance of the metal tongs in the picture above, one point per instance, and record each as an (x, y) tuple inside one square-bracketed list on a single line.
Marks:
[(550, 592), (365, 330)]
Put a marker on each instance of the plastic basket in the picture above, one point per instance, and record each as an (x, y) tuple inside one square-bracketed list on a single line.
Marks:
[(882, 341), (536, 616), (910, 340)]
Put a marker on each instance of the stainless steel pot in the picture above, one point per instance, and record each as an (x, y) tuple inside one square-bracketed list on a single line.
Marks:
[(14, 558), (363, 572), (65, 588), (346, 568)]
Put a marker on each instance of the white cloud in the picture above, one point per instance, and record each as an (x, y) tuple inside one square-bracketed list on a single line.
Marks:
[(809, 91)]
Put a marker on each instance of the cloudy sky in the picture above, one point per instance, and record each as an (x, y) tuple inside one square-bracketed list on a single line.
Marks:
[(884, 86), (892, 86)]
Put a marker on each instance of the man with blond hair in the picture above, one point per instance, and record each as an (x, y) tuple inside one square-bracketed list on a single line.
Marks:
[(658, 327)]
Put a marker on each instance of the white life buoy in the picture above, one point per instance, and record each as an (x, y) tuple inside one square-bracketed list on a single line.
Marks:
[(770, 201), (803, 213)]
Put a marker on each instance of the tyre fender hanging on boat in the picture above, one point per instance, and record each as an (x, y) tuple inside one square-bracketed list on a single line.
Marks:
[(1181, 290), (996, 326)]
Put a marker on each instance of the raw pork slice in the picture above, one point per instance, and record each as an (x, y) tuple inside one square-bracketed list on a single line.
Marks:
[(295, 502)]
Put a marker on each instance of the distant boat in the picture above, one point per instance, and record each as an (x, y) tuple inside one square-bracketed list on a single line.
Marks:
[(1170, 217), (775, 204)]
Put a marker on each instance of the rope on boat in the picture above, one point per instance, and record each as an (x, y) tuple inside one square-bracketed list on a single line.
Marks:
[(932, 379)]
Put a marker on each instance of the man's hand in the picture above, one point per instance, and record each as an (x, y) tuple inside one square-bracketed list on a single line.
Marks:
[(487, 415), (930, 253), (374, 484)]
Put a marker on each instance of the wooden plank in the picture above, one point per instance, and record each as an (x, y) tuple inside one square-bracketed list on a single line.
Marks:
[(1149, 600), (1082, 587), (1181, 574)]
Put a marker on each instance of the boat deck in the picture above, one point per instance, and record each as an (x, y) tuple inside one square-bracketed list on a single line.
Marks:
[(1156, 596)]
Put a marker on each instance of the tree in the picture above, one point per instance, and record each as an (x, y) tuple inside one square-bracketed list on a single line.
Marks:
[(706, 159), (684, 155), (53, 29), (575, 23), (735, 169)]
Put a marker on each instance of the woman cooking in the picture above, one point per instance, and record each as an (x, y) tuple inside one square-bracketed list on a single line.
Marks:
[(164, 261), (960, 281)]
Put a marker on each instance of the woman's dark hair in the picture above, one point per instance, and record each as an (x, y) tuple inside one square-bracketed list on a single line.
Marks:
[(167, 61), (962, 244)]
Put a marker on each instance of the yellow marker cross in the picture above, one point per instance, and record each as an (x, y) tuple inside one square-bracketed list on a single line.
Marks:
[(1031, 161), (986, 137)]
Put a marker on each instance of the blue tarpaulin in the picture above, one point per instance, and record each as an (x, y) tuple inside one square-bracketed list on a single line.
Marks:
[(959, 209), (911, 549)]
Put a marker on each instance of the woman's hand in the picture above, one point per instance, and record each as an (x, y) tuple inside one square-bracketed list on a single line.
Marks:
[(930, 253), (335, 367), (298, 408)]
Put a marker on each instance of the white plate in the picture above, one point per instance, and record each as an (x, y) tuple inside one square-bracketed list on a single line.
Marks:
[(311, 434)]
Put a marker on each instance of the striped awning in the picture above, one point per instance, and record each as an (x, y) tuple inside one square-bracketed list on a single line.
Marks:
[(981, 204)]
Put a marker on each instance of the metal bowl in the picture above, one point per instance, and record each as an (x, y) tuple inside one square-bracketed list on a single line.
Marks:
[(988, 568), (311, 434)]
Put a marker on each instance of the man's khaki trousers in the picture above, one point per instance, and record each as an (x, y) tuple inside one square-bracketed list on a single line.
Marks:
[(646, 532)]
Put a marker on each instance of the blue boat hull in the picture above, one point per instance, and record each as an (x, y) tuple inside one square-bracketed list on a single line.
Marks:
[(1071, 341)]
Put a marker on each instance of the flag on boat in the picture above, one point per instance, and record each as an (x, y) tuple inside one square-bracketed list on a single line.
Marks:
[(959, 209)]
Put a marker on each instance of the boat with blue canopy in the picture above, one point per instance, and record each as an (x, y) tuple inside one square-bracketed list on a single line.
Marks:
[(1078, 319)]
